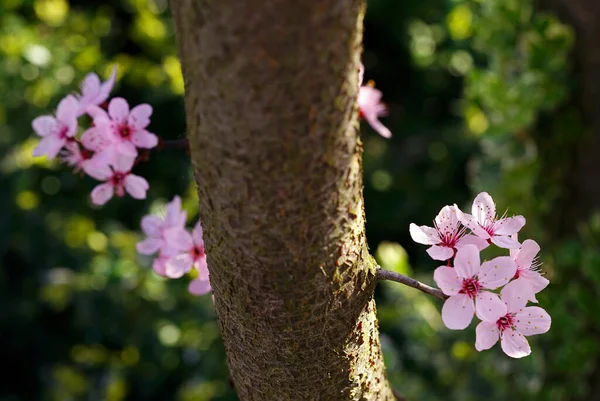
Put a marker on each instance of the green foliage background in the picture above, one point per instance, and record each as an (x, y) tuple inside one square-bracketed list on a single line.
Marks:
[(480, 95)]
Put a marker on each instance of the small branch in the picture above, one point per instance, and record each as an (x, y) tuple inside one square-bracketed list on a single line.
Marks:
[(174, 144), (398, 395), (383, 274)]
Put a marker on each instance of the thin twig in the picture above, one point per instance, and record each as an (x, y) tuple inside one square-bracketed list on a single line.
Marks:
[(398, 395), (383, 274), (174, 144)]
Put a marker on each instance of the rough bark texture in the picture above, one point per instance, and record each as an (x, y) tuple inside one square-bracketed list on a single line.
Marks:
[(270, 100)]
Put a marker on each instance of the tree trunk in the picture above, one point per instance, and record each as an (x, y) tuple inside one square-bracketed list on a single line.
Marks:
[(271, 90)]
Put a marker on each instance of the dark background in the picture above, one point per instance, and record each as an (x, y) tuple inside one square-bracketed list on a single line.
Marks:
[(482, 96)]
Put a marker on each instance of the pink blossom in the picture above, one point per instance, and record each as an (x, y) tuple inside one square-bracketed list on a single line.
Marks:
[(166, 235), (446, 236), (56, 131), (465, 284), (484, 222), (528, 279), (515, 321), (120, 129), (81, 159), (193, 257), (118, 180), (93, 92), (370, 106)]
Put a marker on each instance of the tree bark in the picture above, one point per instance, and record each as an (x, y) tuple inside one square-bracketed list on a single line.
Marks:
[(271, 90)]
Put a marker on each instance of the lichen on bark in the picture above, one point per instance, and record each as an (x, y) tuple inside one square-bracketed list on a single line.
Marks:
[(271, 90)]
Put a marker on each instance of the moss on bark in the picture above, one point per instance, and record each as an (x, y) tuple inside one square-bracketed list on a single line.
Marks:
[(270, 100)]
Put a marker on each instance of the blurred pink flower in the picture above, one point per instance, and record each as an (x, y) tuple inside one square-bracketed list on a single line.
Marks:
[(120, 130), (370, 106), (484, 222), (465, 284), (192, 257), (118, 180), (56, 131), (167, 235), (514, 323), (93, 92), (446, 236)]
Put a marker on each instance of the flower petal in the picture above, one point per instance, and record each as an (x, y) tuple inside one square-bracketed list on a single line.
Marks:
[(457, 312), (102, 194), (535, 279), (139, 117), (90, 85), (446, 221), (149, 246), (144, 139), (178, 265), (106, 87), (483, 208), (178, 238), (99, 171), (96, 138), (378, 126), (471, 239), (197, 235), (532, 320), (199, 287), (127, 149), (504, 241), (45, 125), (440, 252), (152, 226), (66, 112), (118, 109), (514, 344), (123, 163), (509, 225), (174, 216), (159, 265), (486, 335), (423, 234), (489, 307), (471, 223), (136, 186), (516, 294), (467, 261), (497, 272), (50, 145), (527, 253), (447, 279)]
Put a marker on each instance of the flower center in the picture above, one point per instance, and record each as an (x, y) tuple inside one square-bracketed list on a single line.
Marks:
[(470, 287), (124, 131), (86, 154), (505, 322), (117, 179), (62, 132), (197, 253)]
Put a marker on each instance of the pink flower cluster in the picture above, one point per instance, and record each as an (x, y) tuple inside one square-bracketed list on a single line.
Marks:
[(370, 106), (108, 149), (178, 251), (471, 286)]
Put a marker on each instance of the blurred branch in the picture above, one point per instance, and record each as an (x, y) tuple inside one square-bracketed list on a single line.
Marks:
[(398, 395), (174, 144), (383, 274)]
